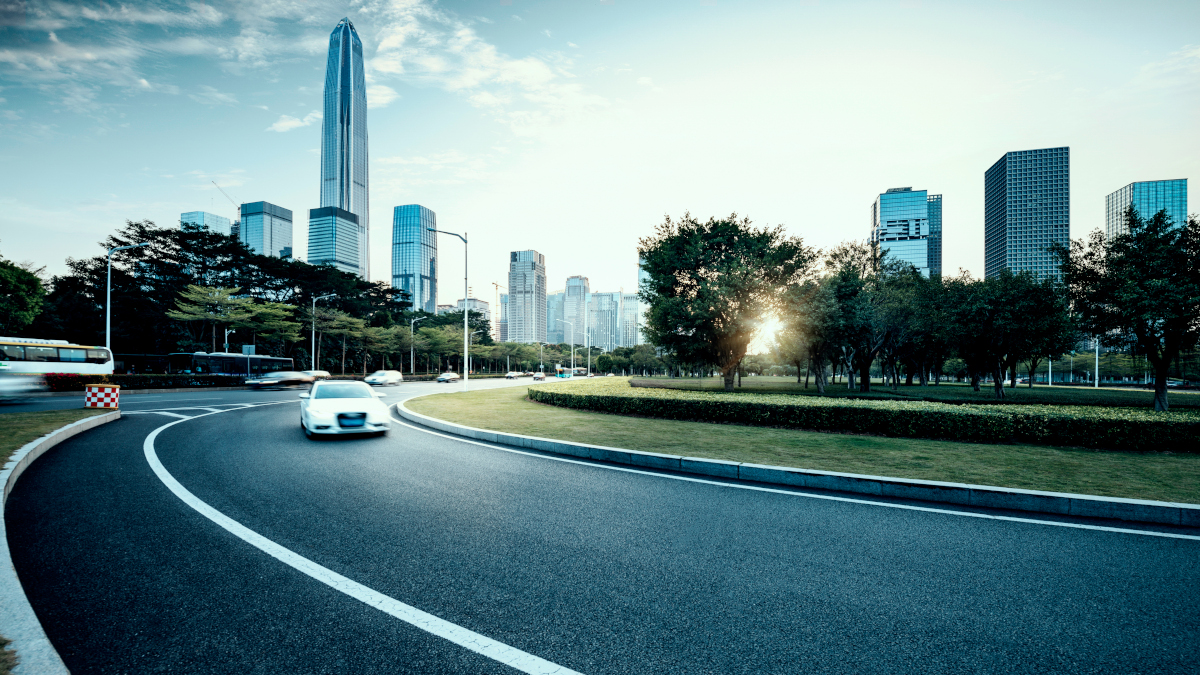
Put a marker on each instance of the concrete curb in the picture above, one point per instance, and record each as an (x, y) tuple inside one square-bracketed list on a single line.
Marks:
[(18, 622), (963, 494)]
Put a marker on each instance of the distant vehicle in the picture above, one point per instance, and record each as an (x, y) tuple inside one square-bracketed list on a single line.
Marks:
[(591, 374), (512, 375), (448, 377), (15, 388), (32, 355), (539, 377), (609, 375), (341, 407), (318, 374), (384, 378), (280, 379)]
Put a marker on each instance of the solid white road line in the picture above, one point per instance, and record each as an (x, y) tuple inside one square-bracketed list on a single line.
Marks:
[(485, 646), (739, 486), (169, 414)]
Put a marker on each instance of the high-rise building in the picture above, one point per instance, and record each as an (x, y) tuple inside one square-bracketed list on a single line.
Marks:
[(1027, 207), (445, 309), (935, 235), (344, 181), (604, 321), (575, 306), (504, 317), (333, 238), (526, 297), (554, 316), (1148, 197), (414, 254), (901, 224), (203, 220), (630, 316), (482, 307), (267, 230)]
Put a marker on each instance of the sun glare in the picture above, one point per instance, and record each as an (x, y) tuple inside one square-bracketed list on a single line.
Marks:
[(764, 338)]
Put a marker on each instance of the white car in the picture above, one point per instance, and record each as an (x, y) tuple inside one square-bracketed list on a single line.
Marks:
[(341, 407), (448, 377), (318, 374), (384, 378), (512, 375)]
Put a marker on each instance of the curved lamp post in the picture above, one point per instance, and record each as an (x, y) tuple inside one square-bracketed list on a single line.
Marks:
[(314, 327), (466, 311), (412, 345)]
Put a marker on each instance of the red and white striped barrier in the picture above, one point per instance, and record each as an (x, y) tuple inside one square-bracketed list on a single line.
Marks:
[(101, 395)]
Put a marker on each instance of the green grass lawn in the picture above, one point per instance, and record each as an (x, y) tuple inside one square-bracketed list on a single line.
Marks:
[(946, 392), (17, 429), (1164, 476)]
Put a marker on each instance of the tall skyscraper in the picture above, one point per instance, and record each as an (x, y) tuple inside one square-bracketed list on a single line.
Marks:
[(333, 238), (1148, 197), (267, 230), (575, 306), (526, 297), (1027, 207), (604, 321), (203, 220), (554, 315), (414, 254), (504, 317), (900, 225), (630, 316), (935, 235), (344, 181)]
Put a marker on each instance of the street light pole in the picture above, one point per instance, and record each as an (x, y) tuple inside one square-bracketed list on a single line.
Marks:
[(313, 356), (572, 344), (412, 344), (108, 297), (466, 312)]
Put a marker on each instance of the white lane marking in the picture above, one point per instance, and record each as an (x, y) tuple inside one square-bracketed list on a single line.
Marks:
[(480, 644), (905, 507), (168, 414)]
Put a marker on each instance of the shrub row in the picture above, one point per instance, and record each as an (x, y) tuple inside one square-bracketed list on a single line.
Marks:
[(76, 382), (1106, 428)]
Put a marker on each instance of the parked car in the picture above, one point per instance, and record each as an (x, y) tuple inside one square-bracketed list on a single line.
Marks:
[(539, 377), (341, 407), (318, 374), (448, 377), (384, 378), (280, 379)]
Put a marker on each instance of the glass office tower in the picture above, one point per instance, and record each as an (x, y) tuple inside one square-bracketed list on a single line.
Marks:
[(267, 229), (504, 317), (554, 313), (333, 238), (604, 321), (900, 226), (344, 183), (1148, 197), (203, 220), (575, 305), (1027, 207), (414, 255), (935, 235), (526, 297), (630, 315)]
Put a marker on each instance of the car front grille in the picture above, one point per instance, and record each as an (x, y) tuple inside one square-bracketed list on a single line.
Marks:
[(349, 420)]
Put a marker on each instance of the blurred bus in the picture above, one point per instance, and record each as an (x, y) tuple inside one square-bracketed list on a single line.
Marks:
[(31, 355), (202, 363)]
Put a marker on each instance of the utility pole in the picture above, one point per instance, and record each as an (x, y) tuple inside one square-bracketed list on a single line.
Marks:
[(412, 345), (467, 292)]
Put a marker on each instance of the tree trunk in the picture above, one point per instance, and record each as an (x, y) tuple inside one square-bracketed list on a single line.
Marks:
[(807, 370), (1033, 364), (819, 375), (1012, 373), (998, 380), (1161, 372), (908, 377), (975, 380), (728, 376), (343, 354), (798, 372), (864, 373)]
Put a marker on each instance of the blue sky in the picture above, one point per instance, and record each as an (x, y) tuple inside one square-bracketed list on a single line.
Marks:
[(573, 127)]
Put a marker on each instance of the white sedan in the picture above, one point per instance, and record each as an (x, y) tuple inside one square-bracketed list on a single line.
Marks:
[(339, 407), (384, 378)]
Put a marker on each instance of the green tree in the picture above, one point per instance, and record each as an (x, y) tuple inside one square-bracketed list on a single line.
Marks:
[(211, 307), (710, 285), (21, 296), (1140, 289)]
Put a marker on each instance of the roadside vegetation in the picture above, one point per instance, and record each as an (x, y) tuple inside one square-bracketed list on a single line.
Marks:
[(1160, 476), (8, 657), (17, 429)]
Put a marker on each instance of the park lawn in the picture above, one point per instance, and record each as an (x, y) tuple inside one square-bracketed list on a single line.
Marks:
[(17, 429), (1166, 477), (946, 392)]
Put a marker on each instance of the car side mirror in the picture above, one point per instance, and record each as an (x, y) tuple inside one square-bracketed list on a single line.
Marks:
[(304, 395)]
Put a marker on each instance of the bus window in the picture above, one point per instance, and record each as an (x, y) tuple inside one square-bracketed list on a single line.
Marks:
[(12, 353), (41, 354), (97, 356), (72, 355)]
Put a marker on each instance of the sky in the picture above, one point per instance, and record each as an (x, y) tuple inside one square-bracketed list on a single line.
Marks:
[(574, 127)]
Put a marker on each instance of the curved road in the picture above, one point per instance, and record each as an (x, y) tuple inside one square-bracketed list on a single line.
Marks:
[(547, 564)]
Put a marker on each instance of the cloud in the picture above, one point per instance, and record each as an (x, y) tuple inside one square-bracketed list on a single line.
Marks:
[(572, 44), (287, 122), (645, 81), (380, 95), (210, 96), (547, 33)]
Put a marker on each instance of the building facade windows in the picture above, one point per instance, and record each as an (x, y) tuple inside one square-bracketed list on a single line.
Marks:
[(554, 315), (203, 220), (344, 182), (414, 255), (266, 229), (1148, 197), (1027, 208), (333, 238), (900, 225), (526, 297)]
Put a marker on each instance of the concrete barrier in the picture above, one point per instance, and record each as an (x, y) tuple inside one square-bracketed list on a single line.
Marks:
[(17, 619), (963, 494)]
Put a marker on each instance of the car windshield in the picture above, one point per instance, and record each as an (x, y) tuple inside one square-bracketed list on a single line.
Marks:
[(343, 390)]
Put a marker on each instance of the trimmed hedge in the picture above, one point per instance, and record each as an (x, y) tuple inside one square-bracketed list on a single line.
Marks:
[(1107, 428), (76, 382)]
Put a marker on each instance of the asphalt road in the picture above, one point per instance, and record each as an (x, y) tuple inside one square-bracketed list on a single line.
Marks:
[(593, 569)]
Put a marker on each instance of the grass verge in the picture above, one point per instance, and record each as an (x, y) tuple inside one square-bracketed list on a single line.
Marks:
[(17, 429), (1158, 476), (8, 657)]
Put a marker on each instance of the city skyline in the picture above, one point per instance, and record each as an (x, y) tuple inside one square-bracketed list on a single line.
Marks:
[(519, 98)]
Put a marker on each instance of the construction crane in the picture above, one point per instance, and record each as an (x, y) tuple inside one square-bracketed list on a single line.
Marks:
[(496, 312), (231, 201)]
